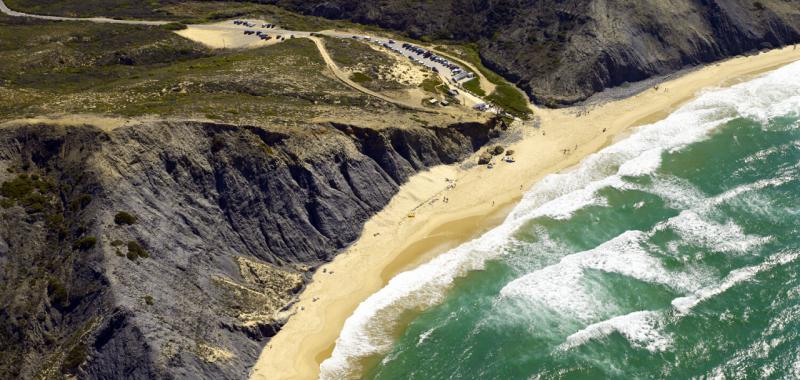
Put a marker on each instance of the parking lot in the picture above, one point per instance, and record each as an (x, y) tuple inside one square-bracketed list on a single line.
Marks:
[(450, 72)]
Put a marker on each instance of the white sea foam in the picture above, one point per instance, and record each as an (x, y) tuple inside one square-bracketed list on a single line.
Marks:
[(366, 332), (684, 305), (727, 237), (755, 186), (640, 328), (561, 287)]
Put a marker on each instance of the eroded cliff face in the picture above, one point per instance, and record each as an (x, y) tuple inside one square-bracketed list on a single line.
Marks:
[(562, 52), (228, 224)]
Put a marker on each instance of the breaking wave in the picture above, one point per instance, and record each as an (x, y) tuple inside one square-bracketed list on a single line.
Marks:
[(367, 331)]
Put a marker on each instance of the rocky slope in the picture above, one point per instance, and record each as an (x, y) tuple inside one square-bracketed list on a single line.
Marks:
[(168, 249), (562, 52)]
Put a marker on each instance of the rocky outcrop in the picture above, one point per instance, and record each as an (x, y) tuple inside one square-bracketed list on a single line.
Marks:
[(562, 52), (229, 223)]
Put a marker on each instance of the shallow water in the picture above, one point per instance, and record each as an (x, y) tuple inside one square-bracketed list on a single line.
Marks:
[(673, 253)]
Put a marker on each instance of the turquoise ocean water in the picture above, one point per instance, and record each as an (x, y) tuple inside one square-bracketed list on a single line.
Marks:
[(672, 254)]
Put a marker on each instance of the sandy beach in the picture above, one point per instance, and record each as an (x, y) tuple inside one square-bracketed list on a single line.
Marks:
[(392, 241)]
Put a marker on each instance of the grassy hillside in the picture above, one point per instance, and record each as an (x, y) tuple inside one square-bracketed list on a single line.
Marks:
[(56, 67)]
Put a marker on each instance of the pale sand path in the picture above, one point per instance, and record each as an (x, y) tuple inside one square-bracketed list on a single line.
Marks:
[(402, 243), (105, 20)]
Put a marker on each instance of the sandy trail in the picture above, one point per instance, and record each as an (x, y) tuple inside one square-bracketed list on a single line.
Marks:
[(222, 35), (392, 242), (342, 76), (105, 20)]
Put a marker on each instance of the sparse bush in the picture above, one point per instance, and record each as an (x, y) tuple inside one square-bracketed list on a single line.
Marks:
[(75, 357), (80, 202), (17, 187), (84, 243), (135, 248), (149, 300), (217, 143), (123, 218), (57, 291), (360, 77), (117, 243)]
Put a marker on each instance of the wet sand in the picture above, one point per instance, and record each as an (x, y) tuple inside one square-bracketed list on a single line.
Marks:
[(392, 241)]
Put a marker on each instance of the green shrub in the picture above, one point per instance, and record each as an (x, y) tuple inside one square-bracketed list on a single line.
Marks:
[(124, 218), (17, 188), (35, 202), (431, 84), (360, 77), (75, 357), (117, 243), (474, 86), (135, 248), (80, 202), (149, 300), (84, 243), (57, 292), (510, 100)]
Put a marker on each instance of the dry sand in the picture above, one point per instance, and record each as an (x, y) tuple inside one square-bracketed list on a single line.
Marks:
[(392, 241), (225, 35)]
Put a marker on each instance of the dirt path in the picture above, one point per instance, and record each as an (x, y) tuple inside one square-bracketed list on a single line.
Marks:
[(320, 45), (4, 8), (342, 76)]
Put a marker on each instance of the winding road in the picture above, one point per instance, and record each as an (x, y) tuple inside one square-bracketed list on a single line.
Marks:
[(342, 76), (4, 8), (337, 72)]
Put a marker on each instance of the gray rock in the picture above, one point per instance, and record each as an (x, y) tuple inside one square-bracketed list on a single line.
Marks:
[(231, 218)]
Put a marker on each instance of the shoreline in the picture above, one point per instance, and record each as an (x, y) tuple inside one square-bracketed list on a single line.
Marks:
[(392, 242)]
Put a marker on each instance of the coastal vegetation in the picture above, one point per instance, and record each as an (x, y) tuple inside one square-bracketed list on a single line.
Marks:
[(124, 218), (129, 71)]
